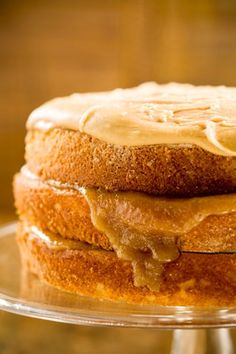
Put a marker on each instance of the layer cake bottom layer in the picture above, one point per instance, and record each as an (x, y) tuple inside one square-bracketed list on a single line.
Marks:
[(192, 279)]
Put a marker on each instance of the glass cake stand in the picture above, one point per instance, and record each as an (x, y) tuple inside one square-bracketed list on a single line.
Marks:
[(22, 293)]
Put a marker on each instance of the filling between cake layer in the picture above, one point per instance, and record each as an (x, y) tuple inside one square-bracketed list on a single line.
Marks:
[(58, 243), (144, 229)]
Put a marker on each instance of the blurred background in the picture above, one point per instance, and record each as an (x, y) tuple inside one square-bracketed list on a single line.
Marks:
[(54, 48)]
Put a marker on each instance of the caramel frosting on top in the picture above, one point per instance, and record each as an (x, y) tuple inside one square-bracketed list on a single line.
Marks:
[(149, 114)]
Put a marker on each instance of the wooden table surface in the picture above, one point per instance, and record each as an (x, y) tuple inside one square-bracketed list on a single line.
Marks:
[(22, 335)]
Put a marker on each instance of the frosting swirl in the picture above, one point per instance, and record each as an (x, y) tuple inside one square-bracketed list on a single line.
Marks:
[(148, 114)]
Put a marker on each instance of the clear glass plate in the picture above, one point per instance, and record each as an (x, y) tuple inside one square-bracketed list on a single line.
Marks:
[(24, 294)]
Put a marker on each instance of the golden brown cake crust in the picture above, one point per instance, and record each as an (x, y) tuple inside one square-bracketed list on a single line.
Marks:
[(193, 279), (73, 157), (66, 213)]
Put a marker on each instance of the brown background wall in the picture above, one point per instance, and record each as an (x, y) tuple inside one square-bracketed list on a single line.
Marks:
[(53, 48)]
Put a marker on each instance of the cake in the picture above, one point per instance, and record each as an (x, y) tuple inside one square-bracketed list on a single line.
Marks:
[(130, 195)]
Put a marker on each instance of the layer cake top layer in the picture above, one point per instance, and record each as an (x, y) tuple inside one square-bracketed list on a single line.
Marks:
[(148, 114)]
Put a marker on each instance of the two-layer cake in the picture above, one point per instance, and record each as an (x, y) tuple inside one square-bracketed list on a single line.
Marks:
[(129, 194)]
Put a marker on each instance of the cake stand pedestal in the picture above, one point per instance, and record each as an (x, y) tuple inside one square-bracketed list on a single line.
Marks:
[(22, 293), (195, 341)]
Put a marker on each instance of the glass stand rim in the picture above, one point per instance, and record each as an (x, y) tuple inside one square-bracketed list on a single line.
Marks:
[(26, 295)]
